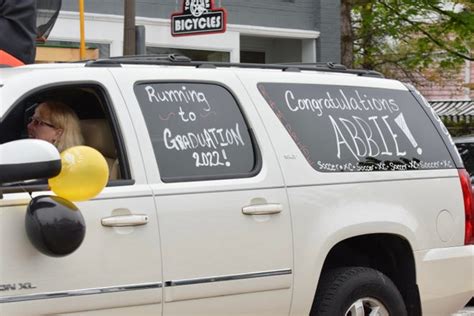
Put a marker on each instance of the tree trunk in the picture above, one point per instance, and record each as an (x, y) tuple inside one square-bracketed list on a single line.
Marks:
[(347, 38), (366, 35)]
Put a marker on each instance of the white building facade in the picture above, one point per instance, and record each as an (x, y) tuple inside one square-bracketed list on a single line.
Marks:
[(268, 31)]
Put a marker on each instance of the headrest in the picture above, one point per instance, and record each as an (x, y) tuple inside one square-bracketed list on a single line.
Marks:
[(97, 134)]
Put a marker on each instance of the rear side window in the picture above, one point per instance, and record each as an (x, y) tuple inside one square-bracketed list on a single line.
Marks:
[(197, 131), (345, 128)]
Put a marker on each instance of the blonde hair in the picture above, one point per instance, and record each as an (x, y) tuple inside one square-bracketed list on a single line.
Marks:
[(62, 117)]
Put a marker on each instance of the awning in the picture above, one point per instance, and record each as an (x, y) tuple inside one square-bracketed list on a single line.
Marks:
[(454, 109)]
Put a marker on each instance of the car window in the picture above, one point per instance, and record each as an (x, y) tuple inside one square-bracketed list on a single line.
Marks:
[(466, 150), (96, 121), (345, 128), (197, 131)]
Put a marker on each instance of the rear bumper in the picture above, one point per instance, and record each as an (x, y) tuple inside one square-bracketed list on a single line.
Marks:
[(445, 278)]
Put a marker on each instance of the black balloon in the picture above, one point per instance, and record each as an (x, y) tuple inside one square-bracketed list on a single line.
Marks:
[(54, 225)]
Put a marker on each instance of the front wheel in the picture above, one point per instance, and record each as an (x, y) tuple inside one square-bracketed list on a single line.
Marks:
[(357, 291)]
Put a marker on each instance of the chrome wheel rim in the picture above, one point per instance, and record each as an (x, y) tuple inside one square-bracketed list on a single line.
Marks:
[(367, 306)]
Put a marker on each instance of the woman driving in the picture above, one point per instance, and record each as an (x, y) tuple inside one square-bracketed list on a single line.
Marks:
[(57, 123)]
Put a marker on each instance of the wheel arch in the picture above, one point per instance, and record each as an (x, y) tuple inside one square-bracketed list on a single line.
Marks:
[(388, 253)]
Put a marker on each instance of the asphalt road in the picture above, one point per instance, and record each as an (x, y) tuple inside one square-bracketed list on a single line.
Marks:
[(468, 311)]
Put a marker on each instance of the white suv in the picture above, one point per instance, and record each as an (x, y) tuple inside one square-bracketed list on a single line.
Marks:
[(239, 190)]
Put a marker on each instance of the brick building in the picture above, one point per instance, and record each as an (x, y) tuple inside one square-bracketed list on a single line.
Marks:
[(454, 101), (459, 88)]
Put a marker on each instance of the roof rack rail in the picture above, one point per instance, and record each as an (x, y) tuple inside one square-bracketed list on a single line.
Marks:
[(170, 57), (139, 59), (180, 60), (329, 65)]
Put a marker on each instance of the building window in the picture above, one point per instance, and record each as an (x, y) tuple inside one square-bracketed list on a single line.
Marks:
[(252, 57)]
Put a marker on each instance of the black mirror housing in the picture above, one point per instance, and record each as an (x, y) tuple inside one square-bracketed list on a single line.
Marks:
[(28, 159)]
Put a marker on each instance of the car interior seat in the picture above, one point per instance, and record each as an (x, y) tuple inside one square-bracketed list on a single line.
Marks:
[(97, 134)]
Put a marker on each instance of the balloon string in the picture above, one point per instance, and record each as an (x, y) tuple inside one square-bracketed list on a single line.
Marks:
[(26, 191)]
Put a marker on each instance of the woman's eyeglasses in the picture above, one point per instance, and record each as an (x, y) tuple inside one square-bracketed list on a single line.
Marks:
[(38, 122)]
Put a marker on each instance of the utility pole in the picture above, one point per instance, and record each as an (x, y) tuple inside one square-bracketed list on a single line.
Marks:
[(82, 46), (129, 28)]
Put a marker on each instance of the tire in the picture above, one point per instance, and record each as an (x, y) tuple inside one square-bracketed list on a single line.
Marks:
[(343, 291)]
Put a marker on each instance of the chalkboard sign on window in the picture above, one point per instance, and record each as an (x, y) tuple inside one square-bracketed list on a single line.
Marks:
[(345, 128), (197, 131)]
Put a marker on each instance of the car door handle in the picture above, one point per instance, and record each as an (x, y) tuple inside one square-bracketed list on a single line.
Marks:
[(262, 209), (124, 220)]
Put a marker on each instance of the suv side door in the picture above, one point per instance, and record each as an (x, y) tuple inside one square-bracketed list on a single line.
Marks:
[(116, 270), (222, 205)]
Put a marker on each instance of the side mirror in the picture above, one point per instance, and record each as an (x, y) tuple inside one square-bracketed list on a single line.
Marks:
[(54, 225), (28, 159)]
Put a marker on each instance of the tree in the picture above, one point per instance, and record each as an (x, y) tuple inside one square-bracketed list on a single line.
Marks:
[(407, 38)]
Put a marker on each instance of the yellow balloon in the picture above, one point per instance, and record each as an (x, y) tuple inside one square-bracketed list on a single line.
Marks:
[(83, 175)]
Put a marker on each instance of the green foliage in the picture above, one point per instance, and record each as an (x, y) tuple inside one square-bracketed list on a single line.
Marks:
[(405, 38), (459, 128)]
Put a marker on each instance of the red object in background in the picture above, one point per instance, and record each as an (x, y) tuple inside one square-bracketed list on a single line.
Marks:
[(9, 60)]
